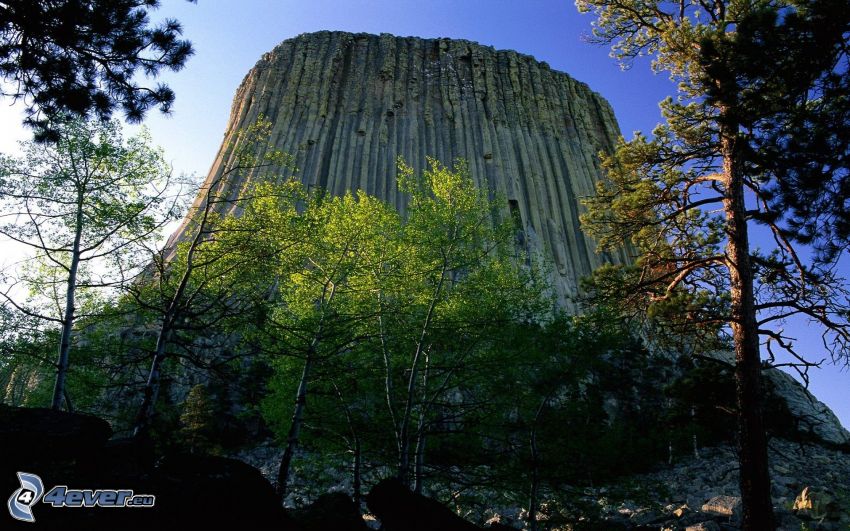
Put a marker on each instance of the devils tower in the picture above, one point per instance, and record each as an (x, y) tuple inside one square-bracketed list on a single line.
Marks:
[(346, 106)]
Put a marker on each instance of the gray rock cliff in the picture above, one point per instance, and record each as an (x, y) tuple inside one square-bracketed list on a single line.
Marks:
[(347, 105)]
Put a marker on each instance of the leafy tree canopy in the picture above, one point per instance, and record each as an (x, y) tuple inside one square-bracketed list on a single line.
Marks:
[(86, 206)]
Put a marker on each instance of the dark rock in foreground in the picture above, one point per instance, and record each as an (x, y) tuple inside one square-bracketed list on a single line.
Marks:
[(334, 511), (218, 491), (810, 486), (192, 492), (399, 509), (32, 434)]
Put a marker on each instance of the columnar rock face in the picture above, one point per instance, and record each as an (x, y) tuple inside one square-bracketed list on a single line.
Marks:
[(348, 105)]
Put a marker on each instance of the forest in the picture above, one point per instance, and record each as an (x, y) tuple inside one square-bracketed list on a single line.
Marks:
[(373, 344), (332, 323)]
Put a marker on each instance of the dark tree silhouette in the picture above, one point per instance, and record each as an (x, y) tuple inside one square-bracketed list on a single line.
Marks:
[(81, 57)]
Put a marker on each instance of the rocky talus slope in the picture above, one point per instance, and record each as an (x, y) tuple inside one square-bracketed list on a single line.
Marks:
[(811, 490)]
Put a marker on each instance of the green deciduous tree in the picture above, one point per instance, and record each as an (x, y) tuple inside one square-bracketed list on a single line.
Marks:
[(189, 286), (401, 302), (757, 140), (86, 206), (308, 252), (456, 285)]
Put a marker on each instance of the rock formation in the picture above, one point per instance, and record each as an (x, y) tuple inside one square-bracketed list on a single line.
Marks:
[(812, 417), (346, 106)]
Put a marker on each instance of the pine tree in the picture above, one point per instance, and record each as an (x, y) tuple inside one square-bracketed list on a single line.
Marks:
[(198, 421), (757, 140), (81, 57)]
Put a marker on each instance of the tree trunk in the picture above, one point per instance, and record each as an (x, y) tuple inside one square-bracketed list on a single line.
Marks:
[(533, 497), (355, 442), (404, 430), (419, 460), (419, 463), (69, 405), (388, 381), (752, 440), (68, 314), (294, 426), (301, 395), (357, 486), (169, 318), (152, 386), (694, 433), (404, 459)]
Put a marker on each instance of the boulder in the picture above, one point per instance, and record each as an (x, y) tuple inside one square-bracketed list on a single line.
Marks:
[(816, 504), (333, 511), (125, 457), (32, 435), (47, 443), (201, 490), (812, 419), (681, 511), (192, 492), (725, 506), (399, 509)]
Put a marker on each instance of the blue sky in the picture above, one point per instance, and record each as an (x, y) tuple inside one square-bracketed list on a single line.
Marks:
[(230, 35)]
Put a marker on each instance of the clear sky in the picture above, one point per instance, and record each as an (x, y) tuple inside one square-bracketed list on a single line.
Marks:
[(230, 36)]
